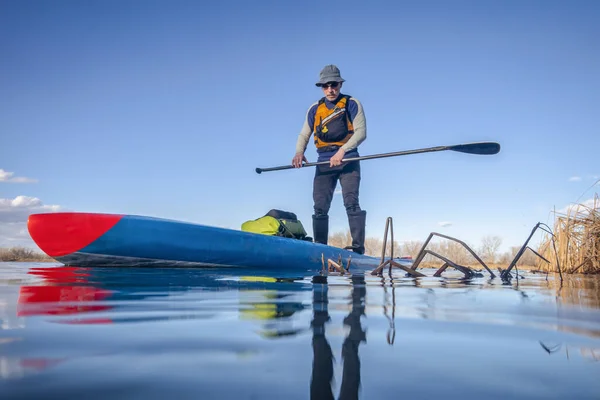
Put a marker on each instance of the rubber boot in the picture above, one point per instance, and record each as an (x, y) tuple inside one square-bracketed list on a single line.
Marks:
[(357, 221), (320, 228)]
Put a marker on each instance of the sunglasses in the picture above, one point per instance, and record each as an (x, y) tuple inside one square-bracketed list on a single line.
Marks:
[(330, 85)]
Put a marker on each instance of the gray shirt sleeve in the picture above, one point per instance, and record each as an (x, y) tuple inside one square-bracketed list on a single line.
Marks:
[(304, 135), (360, 129)]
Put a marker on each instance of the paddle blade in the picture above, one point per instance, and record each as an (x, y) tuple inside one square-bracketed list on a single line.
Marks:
[(483, 148)]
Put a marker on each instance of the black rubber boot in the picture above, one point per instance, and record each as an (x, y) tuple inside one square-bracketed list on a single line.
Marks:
[(320, 228), (357, 221)]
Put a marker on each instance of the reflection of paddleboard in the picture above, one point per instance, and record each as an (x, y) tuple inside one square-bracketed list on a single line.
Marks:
[(87, 239), (61, 295), (67, 291), (59, 300)]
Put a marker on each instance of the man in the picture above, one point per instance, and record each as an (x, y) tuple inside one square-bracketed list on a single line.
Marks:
[(338, 124)]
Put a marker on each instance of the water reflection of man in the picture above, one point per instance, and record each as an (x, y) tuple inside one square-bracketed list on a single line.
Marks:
[(322, 376), (351, 371), (322, 369)]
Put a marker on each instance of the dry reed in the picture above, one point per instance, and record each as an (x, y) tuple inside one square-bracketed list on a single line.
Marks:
[(576, 247), (21, 254)]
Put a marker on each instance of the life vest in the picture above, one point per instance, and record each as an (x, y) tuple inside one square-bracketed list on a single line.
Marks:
[(332, 128)]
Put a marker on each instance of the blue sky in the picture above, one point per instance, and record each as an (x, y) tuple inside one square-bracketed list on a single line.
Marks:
[(165, 108)]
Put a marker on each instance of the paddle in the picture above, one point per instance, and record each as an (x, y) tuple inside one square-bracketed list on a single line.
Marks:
[(481, 148)]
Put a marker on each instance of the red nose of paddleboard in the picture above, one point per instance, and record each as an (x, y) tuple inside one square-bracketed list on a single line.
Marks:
[(59, 234)]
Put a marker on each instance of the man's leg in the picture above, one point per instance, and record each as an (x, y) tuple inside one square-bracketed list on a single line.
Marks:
[(323, 187), (350, 181)]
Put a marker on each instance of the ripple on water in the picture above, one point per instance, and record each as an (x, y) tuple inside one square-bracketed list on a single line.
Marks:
[(126, 333)]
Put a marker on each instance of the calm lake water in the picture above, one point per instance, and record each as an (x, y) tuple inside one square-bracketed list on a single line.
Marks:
[(128, 333)]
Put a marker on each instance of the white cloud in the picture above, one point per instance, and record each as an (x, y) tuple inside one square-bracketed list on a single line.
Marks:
[(14, 234), (9, 177), (582, 207), (338, 191), (13, 219), (575, 179), (445, 224), (19, 208)]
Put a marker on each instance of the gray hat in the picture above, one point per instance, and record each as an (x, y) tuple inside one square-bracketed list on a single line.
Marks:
[(330, 73)]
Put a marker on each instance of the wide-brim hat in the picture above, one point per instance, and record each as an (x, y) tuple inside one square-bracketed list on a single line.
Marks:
[(330, 73)]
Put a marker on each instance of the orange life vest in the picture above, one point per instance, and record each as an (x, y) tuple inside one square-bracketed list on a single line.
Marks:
[(332, 128)]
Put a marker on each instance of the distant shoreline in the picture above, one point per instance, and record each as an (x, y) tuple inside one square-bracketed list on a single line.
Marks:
[(23, 254)]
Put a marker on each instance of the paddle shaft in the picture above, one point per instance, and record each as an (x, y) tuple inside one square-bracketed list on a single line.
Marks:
[(482, 148)]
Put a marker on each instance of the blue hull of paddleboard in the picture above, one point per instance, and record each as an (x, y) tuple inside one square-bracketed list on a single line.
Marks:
[(139, 241)]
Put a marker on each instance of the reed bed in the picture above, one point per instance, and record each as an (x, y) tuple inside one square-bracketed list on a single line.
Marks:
[(22, 254), (576, 245)]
